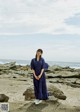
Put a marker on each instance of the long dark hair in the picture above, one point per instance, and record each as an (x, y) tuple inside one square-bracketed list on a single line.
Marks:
[(39, 50)]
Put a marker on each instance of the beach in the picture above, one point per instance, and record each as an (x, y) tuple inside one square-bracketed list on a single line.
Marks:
[(17, 79)]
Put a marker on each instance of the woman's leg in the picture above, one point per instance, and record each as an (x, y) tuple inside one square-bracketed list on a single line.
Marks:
[(40, 88), (36, 87), (43, 94), (40, 95), (44, 89)]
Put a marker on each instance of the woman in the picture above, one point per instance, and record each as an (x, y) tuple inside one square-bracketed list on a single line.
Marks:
[(39, 80)]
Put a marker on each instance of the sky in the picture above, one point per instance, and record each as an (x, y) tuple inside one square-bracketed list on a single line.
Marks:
[(53, 25)]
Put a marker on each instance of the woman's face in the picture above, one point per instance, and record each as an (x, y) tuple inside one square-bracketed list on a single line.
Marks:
[(39, 53)]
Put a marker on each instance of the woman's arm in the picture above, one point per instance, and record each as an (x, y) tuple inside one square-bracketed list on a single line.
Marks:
[(35, 74), (32, 68), (42, 70), (41, 73)]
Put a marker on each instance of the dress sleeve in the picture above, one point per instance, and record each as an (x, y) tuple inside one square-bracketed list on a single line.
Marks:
[(32, 64), (44, 65)]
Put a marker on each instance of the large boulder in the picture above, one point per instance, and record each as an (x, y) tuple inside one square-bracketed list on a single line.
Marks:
[(3, 98), (56, 92), (29, 93), (52, 90)]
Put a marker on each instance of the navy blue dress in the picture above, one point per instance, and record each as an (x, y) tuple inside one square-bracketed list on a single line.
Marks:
[(40, 88)]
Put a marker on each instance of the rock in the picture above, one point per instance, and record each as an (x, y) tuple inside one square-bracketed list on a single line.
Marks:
[(55, 68), (67, 68), (63, 74), (29, 93), (1, 72), (17, 67), (56, 92), (53, 91), (3, 98), (77, 70), (21, 72), (14, 77), (50, 71), (24, 68), (50, 75), (7, 66), (78, 81), (27, 67), (69, 83)]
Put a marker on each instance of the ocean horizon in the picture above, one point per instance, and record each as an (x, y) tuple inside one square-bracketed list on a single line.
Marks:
[(51, 63)]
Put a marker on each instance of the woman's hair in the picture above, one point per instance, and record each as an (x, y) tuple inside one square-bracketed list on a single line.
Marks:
[(39, 50)]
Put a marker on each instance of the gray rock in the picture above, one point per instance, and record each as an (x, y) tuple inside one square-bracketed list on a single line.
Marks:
[(55, 68), (29, 93), (3, 98), (53, 91), (7, 66), (56, 92)]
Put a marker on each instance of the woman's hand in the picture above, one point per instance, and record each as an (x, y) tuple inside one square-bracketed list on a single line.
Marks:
[(41, 73), (36, 77), (39, 76)]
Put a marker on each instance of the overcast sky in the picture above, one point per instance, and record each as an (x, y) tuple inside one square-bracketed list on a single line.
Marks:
[(53, 25)]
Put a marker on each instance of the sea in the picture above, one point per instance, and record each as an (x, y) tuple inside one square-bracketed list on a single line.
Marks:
[(50, 63)]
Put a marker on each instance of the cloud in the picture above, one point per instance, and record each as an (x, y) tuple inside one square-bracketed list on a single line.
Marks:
[(38, 16), (55, 47), (75, 20)]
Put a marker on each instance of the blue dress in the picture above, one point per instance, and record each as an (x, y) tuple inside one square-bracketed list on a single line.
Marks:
[(40, 88)]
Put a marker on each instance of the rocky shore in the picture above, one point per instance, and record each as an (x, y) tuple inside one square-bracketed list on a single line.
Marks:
[(16, 87)]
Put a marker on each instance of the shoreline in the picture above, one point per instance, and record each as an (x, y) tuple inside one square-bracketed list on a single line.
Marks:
[(51, 63)]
